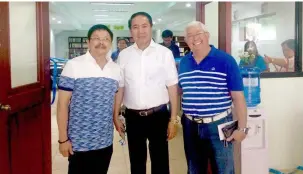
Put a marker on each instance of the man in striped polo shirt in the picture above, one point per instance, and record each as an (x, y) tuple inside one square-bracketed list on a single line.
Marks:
[(210, 82)]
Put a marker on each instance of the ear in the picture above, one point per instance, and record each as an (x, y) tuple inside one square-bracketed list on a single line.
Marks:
[(207, 34), (87, 41)]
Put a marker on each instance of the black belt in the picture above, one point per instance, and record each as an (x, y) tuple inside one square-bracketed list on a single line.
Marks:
[(147, 112)]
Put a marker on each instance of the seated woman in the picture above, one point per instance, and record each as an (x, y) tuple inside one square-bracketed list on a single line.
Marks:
[(286, 64), (251, 48)]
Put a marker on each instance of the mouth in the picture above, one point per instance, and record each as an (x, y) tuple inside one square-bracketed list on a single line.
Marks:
[(197, 43)]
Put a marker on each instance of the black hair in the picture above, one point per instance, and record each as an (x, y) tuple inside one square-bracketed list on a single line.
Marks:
[(248, 43), (99, 27), (167, 33), (140, 14), (290, 43), (122, 38)]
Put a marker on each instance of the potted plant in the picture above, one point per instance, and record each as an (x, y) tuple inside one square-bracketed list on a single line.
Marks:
[(247, 59)]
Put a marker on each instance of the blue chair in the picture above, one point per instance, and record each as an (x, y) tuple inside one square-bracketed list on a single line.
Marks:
[(55, 74)]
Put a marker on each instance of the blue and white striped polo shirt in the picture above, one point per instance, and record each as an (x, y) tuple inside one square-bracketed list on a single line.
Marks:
[(90, 123), (206, 86)]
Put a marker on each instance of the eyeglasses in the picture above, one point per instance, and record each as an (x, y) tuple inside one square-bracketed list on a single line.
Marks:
[(191, 37), (105, 39)]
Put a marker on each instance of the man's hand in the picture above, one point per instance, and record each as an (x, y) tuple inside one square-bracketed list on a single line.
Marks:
[(66, 149), (171, 130), (237, 136), (119, 126)]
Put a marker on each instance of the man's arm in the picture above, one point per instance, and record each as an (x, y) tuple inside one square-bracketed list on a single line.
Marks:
[(62, 113), (173, 98), (240, 108), (118, 102)]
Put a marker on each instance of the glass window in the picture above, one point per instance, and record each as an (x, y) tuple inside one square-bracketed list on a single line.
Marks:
[(266, 31)]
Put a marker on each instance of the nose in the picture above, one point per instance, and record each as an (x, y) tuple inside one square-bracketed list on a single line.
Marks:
[(140, 30), (196, 38)]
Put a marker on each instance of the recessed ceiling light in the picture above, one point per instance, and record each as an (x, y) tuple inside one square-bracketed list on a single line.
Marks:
[(104, 3), (53, 19), (159, 19), (100, 15), (59, 22), (188, 5), (154, 22)]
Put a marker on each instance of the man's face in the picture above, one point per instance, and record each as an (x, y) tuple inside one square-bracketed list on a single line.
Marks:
[(141, 30), (100, 42), (288, 53), (196, 38), (122, 44), (167, 40)]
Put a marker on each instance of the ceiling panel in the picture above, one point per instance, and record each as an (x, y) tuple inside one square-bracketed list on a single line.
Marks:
[(82, 15)]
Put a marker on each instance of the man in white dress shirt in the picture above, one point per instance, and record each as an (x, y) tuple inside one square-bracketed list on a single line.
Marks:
[(150, 83)]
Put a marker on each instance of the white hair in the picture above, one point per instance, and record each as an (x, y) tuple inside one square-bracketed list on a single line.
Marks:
[(196, 24)]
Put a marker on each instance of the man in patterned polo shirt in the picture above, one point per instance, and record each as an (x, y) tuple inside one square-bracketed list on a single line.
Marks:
[(87, 89), (210, 81)]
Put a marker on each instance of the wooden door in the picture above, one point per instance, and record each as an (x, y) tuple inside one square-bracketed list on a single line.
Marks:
[(25, 122)]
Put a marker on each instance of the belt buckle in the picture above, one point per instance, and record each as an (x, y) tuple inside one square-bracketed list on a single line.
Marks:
[(143, 113), (198, 120)]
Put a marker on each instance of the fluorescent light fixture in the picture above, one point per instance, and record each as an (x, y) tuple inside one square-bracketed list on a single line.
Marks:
[(59, 22), (106, 10), (108, 19), (159, 19), (53, 18), (108, 22), (154, 22), (100, 15), (105, 3), (188, 5)]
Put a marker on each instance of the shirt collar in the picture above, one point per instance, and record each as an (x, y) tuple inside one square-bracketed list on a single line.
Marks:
[(151, 44), (211, 52), (89, 57)]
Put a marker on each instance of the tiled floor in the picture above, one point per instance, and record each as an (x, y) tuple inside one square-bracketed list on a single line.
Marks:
[(120, 162)]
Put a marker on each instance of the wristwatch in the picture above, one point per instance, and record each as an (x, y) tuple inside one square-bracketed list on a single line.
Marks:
[(245, 130)]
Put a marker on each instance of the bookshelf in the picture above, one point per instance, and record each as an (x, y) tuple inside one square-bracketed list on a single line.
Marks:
[(180, 41), (77, 46), (130, 40)]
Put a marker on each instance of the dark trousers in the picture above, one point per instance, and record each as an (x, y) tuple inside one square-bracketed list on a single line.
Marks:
[(154, 129), (202, 143), (90, 162)]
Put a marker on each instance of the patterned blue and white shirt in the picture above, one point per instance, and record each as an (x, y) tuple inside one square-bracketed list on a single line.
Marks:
[(90, 123)]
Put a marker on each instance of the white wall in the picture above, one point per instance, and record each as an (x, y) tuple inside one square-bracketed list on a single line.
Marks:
[(52, 44), (282, 99)]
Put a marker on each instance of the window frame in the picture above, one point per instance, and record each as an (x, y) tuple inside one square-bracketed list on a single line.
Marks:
[(225, 34)]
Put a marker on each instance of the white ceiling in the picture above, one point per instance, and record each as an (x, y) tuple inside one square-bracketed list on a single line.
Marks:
[(81, 15)]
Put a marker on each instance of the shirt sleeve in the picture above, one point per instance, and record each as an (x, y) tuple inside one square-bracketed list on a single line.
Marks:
[(171, 69), (119, 62), (67, 78), (234, 77), (260, 63), (177, 52)]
